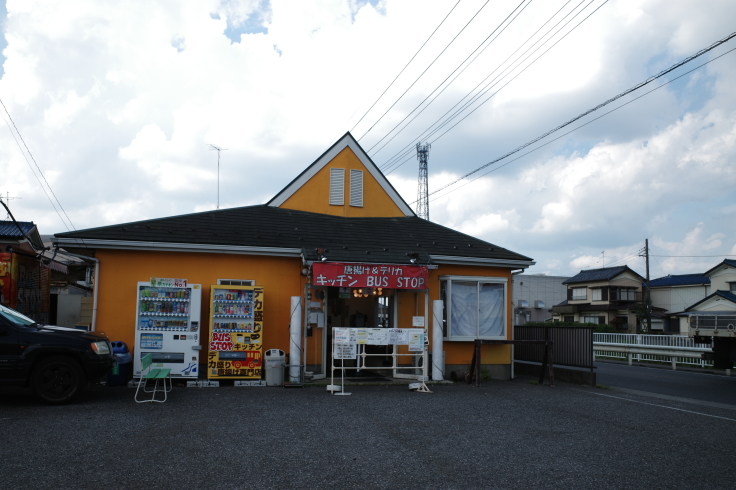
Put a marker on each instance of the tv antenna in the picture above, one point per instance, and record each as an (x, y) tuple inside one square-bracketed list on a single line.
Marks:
[(218, 150), (8, 199)]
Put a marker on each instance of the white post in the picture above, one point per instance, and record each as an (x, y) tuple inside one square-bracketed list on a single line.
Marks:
[(437, 357), (630, 356), (674, 363), (295, 346)]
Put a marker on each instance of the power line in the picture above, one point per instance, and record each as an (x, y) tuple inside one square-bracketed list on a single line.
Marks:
[(506, 72), (13, 133), (453, 72), (425, 70), (405, 66), (574, 129), (407, 149), (695, 256)]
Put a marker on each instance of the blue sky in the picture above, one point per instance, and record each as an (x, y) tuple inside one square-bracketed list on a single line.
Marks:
[(118, 104)]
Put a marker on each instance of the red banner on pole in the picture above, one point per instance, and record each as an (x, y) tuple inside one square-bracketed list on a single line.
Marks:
[(370, 275)]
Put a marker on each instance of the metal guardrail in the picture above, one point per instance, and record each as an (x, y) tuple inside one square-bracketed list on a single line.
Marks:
[(670, 349)]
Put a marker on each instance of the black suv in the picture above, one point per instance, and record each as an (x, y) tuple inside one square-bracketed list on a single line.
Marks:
[(55, 362)]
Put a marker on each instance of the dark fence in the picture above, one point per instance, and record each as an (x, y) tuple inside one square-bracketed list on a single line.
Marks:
[(573, 345)]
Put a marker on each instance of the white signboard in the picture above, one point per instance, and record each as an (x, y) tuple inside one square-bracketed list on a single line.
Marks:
[(377, 336), (417, 321), (342, 335), (345, 351), (416, 340), (398, 336)]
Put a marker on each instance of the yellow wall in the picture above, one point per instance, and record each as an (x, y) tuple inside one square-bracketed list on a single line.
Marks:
[(120, 271), (314, 195)]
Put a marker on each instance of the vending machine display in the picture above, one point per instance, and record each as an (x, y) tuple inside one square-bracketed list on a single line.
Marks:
[(167, 326), (236, 333)]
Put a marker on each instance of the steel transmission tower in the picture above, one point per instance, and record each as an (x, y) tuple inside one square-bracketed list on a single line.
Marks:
[(423, 192)]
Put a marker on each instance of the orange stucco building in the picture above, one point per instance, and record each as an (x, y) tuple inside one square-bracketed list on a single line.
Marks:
[(340, 214)]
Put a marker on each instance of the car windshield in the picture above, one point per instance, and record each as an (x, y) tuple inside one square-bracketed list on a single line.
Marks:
[(15, 318)]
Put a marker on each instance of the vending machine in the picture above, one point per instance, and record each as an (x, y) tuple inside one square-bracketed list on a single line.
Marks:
[(236, 333), (167, 326)]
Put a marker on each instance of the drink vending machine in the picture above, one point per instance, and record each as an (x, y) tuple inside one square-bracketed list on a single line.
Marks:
[(236, 333), (167, 326)]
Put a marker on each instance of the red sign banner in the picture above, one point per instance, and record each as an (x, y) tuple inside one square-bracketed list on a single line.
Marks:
[(370, 275)]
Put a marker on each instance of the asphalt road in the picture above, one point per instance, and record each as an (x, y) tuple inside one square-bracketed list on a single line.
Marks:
[(702, 386), (506, 434)]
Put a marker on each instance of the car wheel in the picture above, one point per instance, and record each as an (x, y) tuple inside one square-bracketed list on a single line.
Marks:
[(57, 380)]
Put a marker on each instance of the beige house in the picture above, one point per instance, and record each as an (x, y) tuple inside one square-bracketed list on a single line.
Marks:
[(608, 295)]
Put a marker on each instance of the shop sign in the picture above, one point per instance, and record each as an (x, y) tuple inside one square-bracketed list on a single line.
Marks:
[(167, 282), (370, 275)]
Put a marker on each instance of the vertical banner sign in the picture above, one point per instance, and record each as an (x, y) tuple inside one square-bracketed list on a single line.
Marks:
[(236, 333)]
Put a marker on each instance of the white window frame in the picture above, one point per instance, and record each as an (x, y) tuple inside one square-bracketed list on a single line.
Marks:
[(337, 187), (596, 294), (585, 294), (596, 317), (448, 305)]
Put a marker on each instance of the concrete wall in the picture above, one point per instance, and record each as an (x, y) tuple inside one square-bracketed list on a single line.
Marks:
[(532, 287)]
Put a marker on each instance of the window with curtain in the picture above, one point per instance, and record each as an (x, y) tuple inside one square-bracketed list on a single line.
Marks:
[(579, 293), (474, 308)]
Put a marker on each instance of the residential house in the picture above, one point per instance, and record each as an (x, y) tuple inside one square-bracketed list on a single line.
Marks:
[(674, 294), (608, 295)]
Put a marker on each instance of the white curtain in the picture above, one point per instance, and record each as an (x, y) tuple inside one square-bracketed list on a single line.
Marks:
[(491, 310), (464, 310), (477, 312)]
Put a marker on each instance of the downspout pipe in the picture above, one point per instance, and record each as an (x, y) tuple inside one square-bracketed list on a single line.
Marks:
[(95, 290)]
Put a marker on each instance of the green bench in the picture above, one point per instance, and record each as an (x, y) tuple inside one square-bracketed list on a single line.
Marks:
[(148, 373)]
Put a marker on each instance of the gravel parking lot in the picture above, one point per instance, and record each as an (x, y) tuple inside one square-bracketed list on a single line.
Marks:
[(503, 435)]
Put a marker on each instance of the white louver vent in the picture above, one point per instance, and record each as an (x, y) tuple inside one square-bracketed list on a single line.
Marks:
[(356, 188), (337, 186)]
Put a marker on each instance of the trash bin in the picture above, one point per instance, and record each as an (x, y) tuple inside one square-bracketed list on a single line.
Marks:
[(274, 367), (122, 371)]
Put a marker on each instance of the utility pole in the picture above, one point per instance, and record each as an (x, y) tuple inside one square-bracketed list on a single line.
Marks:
[(647, 292), (218, 150), (423, 192)]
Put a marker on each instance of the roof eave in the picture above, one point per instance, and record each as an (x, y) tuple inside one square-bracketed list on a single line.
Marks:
[(178, 247), (484, 261)]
